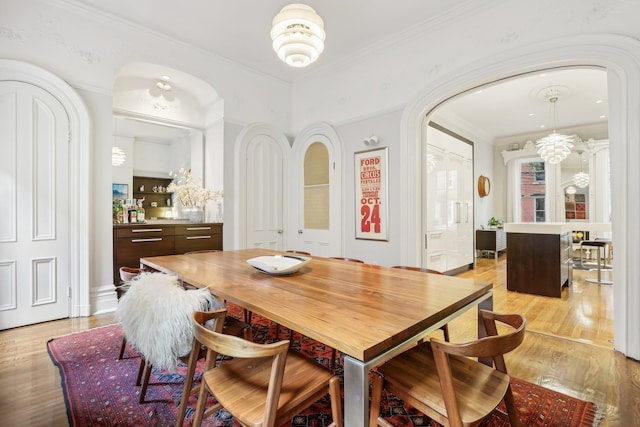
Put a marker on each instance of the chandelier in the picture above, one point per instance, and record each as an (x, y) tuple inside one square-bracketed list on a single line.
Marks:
[(555, 147), (581, 179), (298, 35)]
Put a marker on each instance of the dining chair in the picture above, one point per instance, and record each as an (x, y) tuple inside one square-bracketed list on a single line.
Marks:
[(156, 320), (264, 384), (444, 328), (298, 252), (127, 274), (231, 326), (441, 380), (348, 259)]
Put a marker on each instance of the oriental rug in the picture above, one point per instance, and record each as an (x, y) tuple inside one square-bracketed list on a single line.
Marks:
[(100, 390)]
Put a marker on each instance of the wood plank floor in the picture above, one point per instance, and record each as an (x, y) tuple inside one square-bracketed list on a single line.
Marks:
[(568, 348)]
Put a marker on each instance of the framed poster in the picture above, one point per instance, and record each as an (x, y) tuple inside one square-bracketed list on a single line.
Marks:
[(372, 199)]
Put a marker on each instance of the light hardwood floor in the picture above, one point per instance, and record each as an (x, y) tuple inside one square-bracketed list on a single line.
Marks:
[(568, 348)]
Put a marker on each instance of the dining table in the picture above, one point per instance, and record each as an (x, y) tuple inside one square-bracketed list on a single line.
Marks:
[(369, 313)]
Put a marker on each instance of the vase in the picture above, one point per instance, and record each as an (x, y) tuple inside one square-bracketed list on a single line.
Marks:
[(194, 214)]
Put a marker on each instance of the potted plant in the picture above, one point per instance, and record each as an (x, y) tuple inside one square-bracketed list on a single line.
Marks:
[(494, 222)]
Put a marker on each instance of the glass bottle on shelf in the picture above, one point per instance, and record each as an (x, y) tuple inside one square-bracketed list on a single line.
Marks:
[(140, 212)]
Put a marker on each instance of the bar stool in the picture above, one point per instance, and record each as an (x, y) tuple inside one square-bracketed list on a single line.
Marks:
[(598, 244)]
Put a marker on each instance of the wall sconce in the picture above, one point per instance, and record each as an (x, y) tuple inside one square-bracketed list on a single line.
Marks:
[(372, 140)]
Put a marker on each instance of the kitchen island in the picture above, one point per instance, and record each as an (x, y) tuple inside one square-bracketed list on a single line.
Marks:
[(539, 260)]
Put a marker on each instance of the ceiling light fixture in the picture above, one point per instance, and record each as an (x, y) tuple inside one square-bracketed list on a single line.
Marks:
[(581, 179), (570, 190), (163, 85), (118, 156), (298, 35), (554, 147)]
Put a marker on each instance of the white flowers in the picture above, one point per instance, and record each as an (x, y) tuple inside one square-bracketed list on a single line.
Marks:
[(190, 191)]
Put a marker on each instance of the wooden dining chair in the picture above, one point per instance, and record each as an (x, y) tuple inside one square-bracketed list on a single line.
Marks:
[(348, 259), (127, 274), (441, 380), (231, 326), (444, 328), (298, 252), (265, 384)]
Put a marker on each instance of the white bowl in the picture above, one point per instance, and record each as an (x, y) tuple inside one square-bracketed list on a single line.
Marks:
[(279, 264)]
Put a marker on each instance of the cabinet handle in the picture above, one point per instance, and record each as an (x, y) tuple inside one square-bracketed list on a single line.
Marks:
[(457, 218), (146, 230), (198, 228), (198, 237), (436, 256), (156, 239), (467, 204)]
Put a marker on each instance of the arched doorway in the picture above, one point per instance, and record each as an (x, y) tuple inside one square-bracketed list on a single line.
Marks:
[(619, 55), (78, 164)]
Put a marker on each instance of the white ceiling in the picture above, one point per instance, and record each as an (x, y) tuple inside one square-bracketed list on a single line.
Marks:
[(239, 30)]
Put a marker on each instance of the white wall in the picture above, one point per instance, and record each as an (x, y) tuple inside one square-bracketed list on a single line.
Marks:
[(387, 128)]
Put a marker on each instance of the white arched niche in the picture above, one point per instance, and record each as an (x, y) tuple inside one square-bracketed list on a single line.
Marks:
[(190, 104), (620, 56)]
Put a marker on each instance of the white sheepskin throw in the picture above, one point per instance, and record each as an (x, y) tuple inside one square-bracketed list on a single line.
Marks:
[(156, 317)]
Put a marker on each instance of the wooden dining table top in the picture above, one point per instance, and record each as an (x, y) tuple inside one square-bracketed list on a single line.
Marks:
[(359, 309)]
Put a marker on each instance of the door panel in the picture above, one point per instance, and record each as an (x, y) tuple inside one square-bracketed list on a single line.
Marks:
[(265, 191), (34, 231)]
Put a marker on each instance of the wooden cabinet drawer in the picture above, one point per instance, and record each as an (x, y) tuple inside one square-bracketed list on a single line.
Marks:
[(128, 252), (143, 230), (199, 242), (198, 229)]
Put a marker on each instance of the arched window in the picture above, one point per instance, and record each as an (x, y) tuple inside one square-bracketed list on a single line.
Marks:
[(316, 187)]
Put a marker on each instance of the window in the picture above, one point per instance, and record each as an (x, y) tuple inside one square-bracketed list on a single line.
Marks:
[(533, 190), (316, 187)]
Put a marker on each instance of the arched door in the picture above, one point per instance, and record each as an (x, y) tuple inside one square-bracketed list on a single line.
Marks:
[(318, 192), (34, 232), (264, 194)]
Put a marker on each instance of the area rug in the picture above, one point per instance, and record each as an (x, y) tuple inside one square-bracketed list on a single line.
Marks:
[(100, 390)]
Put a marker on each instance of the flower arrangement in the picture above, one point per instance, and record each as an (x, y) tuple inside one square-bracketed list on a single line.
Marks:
[(190, 191)]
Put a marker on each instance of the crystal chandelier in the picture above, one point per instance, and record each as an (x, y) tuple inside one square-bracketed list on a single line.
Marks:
[(581, 179), (555, 147), (298, 35)]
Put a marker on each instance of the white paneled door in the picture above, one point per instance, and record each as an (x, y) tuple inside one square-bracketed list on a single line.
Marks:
[(265, 194), (34, 221)]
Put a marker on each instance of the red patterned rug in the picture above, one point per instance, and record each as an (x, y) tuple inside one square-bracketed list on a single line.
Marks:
[(100, 390)]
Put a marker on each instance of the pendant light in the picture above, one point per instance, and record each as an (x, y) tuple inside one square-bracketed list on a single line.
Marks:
[(555, 147), (581, 179), (298, 35)]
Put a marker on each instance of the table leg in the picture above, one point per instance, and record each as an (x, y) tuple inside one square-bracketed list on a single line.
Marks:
[(356, 393)]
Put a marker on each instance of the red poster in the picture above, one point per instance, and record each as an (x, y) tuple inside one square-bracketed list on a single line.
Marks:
[(371, 194)]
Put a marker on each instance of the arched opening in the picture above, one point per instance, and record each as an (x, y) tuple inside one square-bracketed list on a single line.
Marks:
[(620, 60)]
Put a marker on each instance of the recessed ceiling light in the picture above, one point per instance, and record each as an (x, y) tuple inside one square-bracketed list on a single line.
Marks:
[(603, 116), (531, 114), (542, 126), (543, 75), (599, 101), (479, 91)]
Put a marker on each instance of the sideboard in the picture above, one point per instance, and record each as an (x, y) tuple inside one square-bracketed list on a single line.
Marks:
[(134, 241), (491, 241)]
